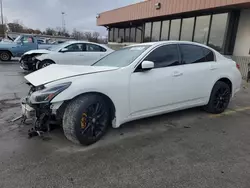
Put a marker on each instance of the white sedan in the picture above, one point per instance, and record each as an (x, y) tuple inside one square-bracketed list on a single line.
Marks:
[(71, 53), (132, 83)]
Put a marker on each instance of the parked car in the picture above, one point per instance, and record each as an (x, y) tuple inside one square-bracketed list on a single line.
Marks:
[(19, 46), (131, 83), (71, 52)]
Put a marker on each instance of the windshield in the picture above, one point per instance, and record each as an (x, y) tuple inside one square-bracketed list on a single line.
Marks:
[(17, 39), (122, 57), (57, 47)]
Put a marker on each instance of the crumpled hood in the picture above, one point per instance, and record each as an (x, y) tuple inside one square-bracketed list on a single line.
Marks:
[(57, 72), (41, 51)]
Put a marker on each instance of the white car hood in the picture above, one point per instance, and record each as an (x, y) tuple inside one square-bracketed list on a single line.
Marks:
[(41, 51), (58, 72)]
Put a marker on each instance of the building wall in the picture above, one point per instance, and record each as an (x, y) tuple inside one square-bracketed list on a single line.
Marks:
[(146, 9), (242, 43)]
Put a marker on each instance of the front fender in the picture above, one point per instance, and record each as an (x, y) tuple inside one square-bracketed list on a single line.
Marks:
[(116, 91), (43, 57)]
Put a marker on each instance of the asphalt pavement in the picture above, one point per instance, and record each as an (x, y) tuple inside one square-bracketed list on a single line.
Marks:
[(186, 149)]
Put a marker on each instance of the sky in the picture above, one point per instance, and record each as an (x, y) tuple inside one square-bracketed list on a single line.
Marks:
[(79, 14)]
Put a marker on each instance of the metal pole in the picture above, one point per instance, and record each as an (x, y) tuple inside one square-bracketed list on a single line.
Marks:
[(63, 22), (2, 17)]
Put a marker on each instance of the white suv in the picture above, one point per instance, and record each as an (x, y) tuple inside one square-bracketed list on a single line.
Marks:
[(134, 82)]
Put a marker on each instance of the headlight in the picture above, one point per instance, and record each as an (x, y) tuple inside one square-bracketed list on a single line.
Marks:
[(47, 94)]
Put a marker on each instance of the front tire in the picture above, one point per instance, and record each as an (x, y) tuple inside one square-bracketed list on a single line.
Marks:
[(5, 56), (45, 63), (219, 99), (86, 119)]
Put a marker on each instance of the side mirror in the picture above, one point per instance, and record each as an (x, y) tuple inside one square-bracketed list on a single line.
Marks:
[(64, 50), (19, 42), (147, 65)]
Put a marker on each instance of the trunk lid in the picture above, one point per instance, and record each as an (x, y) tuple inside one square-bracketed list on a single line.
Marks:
[(57, 72)]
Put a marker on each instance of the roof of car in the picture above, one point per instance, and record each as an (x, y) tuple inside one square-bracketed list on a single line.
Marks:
[(169, 42), (82, 41)]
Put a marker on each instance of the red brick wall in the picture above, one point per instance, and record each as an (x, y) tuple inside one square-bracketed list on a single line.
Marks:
[(146, 9)]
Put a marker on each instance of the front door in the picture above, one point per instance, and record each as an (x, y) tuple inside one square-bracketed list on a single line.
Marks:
[(27, 44), (154, 90), (72, 56)]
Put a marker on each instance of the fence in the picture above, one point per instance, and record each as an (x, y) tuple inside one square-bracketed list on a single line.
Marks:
[(244, 63)]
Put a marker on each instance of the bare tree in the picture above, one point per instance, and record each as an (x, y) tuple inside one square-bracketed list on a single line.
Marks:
[(78, 35), (88, 35), (16, 26), (95, 37)]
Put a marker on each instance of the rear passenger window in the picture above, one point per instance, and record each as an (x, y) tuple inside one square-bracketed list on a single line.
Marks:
[(208, 54), (195, 54), (164, 56)]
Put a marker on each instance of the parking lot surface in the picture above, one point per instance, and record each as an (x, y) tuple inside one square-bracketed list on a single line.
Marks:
[(183, 149)]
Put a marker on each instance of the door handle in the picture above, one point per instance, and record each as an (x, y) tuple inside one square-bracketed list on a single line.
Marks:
[(177, 73), (213, 67)]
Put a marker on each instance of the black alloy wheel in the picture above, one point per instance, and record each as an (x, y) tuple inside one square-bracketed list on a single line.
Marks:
[(222, 98), (93, 121), (219, 99), (86, 119)]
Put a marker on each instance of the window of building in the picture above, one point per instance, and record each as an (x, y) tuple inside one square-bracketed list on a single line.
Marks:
[(195, 54), (202, 29), (139, 34), (127, 32), (156, 31), (165, 30), (147, 33), (187, 29), (115, 34), (175, 29), (218, 31), (132, 34), (111, 35), (121, 34), (164, 56)]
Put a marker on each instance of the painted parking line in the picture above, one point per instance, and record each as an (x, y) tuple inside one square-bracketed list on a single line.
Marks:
[(230, 112)]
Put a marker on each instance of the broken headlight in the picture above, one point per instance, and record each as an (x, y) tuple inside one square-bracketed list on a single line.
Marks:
[(47, 94)]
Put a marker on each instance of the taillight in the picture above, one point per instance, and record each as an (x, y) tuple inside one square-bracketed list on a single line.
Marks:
[(238, 66)]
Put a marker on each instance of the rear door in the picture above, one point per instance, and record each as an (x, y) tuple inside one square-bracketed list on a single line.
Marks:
[(198, 65), (92, 53)]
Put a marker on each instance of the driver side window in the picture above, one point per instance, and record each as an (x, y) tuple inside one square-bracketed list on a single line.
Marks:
[(74, 48), (164, 56), (27, 40)]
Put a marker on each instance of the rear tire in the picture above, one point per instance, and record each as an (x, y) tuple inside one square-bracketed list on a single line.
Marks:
[(219, 99), (5, 56), (45, 63), (86, 119)]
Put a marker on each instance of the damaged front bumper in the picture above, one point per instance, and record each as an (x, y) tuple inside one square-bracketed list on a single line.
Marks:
[(43, 115), (28, 63)]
